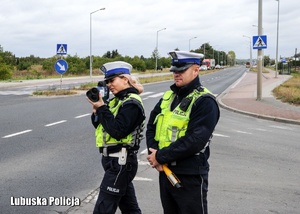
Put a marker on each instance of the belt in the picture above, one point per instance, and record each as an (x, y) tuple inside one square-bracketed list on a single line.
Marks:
[(113, 155), (122, 155)]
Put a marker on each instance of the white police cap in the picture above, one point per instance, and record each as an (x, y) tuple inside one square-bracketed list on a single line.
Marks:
[(182, 60), (113, 69)]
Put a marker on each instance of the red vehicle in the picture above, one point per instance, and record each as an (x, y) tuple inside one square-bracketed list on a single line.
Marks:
[(210, 63), (247, 64)]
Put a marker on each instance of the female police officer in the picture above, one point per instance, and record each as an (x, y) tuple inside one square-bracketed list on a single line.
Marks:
[(119, 125)]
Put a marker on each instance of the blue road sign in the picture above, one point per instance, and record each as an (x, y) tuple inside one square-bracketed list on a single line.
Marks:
[(61, 49), (259, 42), (61, 66)]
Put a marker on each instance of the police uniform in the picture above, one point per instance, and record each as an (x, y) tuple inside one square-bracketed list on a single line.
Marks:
[(180, 128), (119, 126)]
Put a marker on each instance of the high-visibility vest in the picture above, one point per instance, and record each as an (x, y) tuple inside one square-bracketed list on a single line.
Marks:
[(103, 139), (171, 125)]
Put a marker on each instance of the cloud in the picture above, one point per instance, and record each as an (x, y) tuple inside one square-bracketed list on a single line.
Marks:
[(130, 26)]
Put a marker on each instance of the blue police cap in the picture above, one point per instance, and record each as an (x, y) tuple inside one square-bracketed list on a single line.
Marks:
[(182, 60), (113, 69)]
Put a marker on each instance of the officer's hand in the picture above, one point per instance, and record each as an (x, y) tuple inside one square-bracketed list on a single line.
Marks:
[(97, 104), (159, 168), (152, 159)]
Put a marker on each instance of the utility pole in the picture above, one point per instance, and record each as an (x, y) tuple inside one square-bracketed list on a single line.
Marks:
[(276, 61), (259, 54)]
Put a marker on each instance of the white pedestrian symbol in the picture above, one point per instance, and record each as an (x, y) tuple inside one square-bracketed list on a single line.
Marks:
[(61, 49), (260, 43)]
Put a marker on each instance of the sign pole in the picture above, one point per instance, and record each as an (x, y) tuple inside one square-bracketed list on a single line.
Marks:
[(60, 81), (61, 65)]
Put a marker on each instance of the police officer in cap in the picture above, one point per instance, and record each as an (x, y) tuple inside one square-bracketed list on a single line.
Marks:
[(178, 134), (119, 125)]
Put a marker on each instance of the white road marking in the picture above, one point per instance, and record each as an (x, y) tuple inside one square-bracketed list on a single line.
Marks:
[(83, 115), (18, 133), (16, 92), (243, 132), (142, 179), (146, 93), (145, 151), (156, 95), (220, 135), (58, 122), (282, 127)]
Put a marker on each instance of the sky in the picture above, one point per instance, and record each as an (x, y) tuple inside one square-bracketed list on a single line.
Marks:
[(134, 27)]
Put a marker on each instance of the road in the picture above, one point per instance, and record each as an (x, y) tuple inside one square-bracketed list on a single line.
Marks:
[(48, 150)]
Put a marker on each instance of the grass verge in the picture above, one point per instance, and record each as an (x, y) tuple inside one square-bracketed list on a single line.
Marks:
[(289, 91)]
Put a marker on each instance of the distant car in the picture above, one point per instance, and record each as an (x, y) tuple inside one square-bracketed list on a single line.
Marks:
[(203, 68), (218, 67)]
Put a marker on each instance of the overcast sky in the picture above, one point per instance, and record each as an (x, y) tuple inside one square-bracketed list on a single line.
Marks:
[(31, 27)]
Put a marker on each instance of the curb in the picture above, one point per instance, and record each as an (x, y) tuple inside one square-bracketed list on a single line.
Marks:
[(277, 119)]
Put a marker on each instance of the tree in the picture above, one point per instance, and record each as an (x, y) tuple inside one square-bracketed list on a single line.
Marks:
[(5, 70), (231, 58), (267, 60)]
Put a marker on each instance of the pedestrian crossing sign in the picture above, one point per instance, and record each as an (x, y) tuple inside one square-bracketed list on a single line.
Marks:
[(259, 42), (61, 49)]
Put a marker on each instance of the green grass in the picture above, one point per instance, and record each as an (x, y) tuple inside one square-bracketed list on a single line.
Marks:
[(289, 91)]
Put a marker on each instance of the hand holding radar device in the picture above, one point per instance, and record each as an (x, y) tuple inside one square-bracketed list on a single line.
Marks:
[(93, 93)]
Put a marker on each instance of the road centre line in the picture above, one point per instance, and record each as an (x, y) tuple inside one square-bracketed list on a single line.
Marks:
[(18, 133), (58, 122), (220, 135), (242, 132), (83, 115), (157, 95), (282, 127), (146, 93)]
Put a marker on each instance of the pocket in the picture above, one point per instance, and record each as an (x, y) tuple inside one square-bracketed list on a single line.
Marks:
[(158, 121), (173, 133)]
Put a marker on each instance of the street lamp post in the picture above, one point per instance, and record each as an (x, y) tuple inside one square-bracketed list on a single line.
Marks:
[(250, 46), (190, 42), (276, 63), (91, 60), (157, 47)]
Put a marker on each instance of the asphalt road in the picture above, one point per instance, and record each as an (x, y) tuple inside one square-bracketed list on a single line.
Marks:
[(48, 150)]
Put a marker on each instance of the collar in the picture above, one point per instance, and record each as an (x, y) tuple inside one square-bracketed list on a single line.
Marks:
[(187, 89), (122, 94)]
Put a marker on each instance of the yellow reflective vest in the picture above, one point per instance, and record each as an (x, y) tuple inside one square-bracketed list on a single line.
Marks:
[(171, 125), (103, 139)]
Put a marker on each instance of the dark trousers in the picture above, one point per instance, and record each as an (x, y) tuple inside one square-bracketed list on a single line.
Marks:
[(116, 189), (191, 198)]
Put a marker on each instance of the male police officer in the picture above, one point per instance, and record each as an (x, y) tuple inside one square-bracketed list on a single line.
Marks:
[(178, 134)]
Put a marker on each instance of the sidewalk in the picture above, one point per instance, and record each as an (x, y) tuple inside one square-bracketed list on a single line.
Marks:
[(241, 97)]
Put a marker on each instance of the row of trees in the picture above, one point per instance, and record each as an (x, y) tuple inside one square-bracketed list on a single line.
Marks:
[(10, 64)]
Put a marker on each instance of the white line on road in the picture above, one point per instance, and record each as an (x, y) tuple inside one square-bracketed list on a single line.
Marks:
[(142, 179), (157, 95), (146, 93), (282, 127), (52, 124), (18, 133), (145, 151), (243, 132), (220, 135), (84, 115)]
